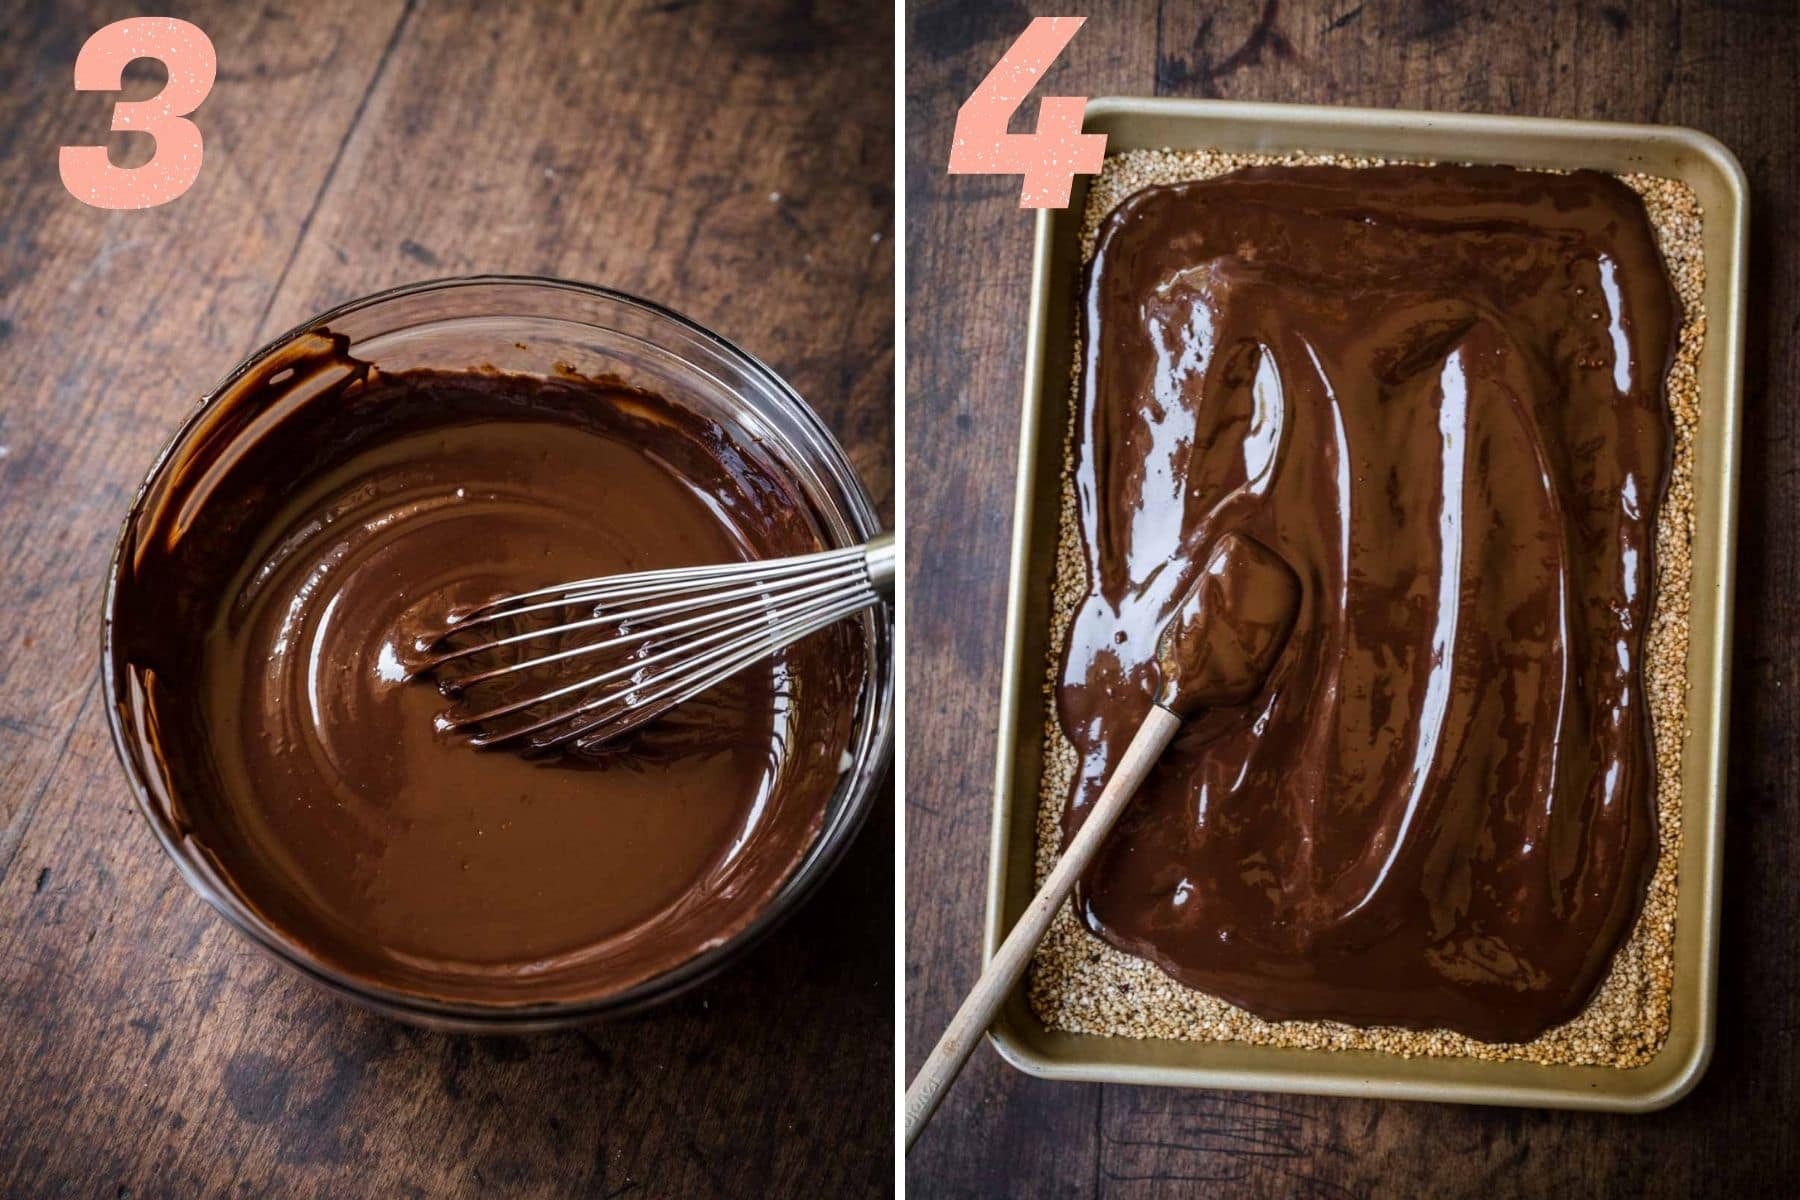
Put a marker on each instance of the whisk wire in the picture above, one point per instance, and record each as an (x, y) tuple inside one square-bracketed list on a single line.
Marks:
[(672, 634), (793, 588), (711, 634), (751, 652), (667, 579), (698, 673)]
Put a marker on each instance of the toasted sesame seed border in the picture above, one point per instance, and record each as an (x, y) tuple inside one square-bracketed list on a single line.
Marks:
[(1080, 984)]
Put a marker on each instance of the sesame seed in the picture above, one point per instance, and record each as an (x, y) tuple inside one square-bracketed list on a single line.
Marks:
[(1080, 984)]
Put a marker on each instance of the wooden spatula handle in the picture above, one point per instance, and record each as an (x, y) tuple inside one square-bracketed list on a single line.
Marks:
[(990, 991)]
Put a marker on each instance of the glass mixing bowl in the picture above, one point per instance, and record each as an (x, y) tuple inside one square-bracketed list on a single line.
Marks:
[(534, 326)]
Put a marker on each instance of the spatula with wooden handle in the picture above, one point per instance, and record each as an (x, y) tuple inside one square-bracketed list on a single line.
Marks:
[(1214, 652)]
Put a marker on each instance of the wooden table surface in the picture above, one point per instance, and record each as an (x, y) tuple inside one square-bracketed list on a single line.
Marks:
[(731, 160), (1725, 68)]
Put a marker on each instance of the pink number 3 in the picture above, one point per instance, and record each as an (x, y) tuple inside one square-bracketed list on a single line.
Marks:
[(1057, 151), (188, 55)]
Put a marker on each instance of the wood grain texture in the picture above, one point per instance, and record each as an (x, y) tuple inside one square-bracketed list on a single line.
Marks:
[(1004, 970), (730, 160), (1723, 68)]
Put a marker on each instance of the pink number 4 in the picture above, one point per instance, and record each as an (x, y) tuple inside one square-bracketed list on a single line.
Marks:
[(188, 55), (1057, 151)]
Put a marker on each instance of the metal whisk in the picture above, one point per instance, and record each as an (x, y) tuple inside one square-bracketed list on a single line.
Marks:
[(581, 663)]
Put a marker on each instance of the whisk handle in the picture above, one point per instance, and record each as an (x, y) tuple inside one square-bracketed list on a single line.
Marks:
[(878, 556)]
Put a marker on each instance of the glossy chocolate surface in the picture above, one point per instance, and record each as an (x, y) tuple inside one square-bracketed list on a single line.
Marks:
[(1437, 395), (281, 573), (1226, 635)]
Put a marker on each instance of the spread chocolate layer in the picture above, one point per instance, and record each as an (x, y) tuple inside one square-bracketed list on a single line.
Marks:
[(1435, 394), (280, 576)]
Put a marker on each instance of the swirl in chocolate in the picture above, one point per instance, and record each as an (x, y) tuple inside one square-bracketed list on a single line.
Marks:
[(1227, 633), (1436, 394), (280, 579)]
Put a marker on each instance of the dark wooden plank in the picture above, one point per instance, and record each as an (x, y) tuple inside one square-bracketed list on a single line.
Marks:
[(146, 1049), (967, 247), (1726, 69), (107, 315), (732, 161)]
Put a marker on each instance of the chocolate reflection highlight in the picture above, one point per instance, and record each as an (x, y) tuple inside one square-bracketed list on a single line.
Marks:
[(1436, 394)]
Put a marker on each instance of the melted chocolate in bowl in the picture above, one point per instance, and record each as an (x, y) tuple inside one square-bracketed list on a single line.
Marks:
[(286, 561), (1436, 394)]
